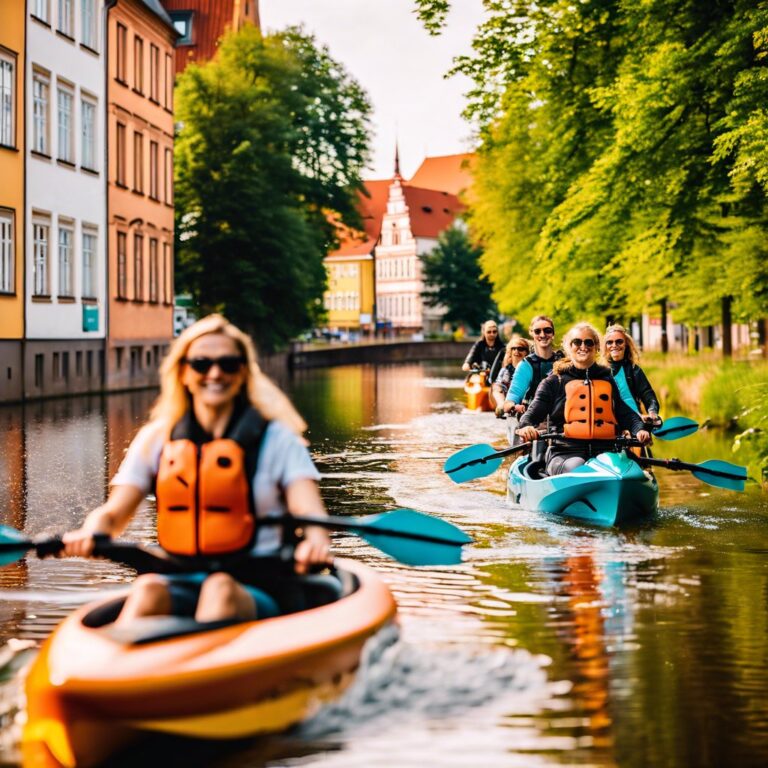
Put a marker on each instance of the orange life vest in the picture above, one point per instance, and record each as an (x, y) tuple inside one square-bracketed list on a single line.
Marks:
[(589, 410), (204, 494)]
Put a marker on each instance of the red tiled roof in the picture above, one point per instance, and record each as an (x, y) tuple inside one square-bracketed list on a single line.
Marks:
[(431, 211), (449, 173), (372, 209)]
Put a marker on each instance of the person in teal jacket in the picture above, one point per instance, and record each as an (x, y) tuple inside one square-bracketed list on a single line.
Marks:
[(620, 353)]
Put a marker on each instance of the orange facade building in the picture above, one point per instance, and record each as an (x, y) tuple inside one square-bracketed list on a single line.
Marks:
[(202, 23), (140, 128)]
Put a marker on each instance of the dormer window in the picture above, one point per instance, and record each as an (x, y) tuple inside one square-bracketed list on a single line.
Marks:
[(182, 22)]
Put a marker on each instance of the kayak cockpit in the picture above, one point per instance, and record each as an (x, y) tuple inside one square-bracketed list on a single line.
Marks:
[(317, 590)]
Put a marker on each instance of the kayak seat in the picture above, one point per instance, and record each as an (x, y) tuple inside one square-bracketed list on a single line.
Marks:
[(321, 588), (536, 470)]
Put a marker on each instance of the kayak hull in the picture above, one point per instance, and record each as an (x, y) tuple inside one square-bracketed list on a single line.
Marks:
[(88, 694), (608, 490), (478, 391)]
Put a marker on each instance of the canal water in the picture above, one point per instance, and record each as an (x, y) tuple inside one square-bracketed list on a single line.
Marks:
[(553, 644)]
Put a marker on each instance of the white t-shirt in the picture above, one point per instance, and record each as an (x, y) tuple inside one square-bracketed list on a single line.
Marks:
[(283, 460)]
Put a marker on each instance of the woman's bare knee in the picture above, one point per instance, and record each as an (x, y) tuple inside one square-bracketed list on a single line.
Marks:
[(149, 596), (221, 597)]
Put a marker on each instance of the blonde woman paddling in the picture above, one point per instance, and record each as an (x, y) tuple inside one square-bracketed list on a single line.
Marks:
[(583, 402), (223, 452)]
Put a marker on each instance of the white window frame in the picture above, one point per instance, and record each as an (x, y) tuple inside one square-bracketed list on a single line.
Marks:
[(7, 99), (40, 10), (41, 103), (90, 243), (7, 252), (88, 143), (66, 258), (89, 29), (41, 243), (65, 17), (65, 122)]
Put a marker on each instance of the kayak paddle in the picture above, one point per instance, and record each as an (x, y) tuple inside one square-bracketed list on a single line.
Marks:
[(411, 537), (721, 474), (675, 427), (481, 460)]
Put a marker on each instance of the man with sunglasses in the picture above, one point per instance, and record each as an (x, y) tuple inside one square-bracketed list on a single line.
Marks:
[(485, 350), (580, 399), (536, 366)]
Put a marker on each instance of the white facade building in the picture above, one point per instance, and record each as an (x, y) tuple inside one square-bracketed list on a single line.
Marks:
[(66, 195)]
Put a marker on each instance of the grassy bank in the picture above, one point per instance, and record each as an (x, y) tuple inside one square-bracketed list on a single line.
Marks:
[(731, 395)]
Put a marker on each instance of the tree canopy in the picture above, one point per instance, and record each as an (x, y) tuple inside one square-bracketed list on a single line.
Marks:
[(454, 280), (272, 139), (623, 155)]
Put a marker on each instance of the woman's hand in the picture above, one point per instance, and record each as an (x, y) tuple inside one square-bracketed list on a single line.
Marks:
[(77, 543), (528, 434), (643, 437), (519, 408), (313, 549)]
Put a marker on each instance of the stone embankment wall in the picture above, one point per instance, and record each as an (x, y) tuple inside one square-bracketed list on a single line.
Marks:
[(308, 356)]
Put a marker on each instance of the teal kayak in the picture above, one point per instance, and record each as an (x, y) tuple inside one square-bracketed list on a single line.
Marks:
[(610, 489)]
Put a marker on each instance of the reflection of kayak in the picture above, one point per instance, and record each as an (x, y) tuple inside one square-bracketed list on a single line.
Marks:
[(94, 686), (608, 490), (478, 391)]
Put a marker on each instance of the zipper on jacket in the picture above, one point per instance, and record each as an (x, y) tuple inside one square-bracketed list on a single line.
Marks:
[(198, 452)]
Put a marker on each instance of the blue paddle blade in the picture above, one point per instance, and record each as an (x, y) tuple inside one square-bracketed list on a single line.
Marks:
[(441, 545), (13, 545), (471, 463), (715, 465), (676, 427)]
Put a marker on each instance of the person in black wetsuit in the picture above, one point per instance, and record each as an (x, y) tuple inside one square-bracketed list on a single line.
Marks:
[(583, 401), (485, 349)]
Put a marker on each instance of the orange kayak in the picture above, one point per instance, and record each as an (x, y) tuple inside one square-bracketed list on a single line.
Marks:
[(478, 390), (93, 688)]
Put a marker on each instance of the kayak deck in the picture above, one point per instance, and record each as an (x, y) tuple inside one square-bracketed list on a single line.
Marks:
[(93, 689), (609, 489)]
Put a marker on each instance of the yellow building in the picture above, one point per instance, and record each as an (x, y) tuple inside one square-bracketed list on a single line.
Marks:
[(12, 33), (349, 300)]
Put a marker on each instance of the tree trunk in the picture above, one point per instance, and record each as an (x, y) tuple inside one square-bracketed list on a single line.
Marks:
[(664, 339), (726, 324), (762, 335)]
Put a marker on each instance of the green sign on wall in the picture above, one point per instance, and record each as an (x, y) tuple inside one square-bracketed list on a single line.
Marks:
[(90, 317)]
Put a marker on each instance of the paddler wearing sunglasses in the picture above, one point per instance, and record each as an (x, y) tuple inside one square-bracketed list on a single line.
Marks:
[(582, 401), (222, 450)]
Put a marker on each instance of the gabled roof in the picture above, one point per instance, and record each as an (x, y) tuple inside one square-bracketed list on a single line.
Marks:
[(448, 173), (430, 211), (159, 11), (372, 208)]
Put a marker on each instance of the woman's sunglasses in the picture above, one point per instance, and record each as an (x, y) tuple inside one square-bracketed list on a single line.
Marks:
[(539, 331), (518, 349), (588, 343), (615, 343), (226, 363)]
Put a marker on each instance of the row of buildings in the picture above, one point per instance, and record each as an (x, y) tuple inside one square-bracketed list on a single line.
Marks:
[(86, 191)]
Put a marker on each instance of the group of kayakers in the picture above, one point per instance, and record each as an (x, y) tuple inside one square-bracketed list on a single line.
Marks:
[(568, 390)]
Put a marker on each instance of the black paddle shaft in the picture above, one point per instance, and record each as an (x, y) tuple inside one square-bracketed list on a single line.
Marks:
[(676, 464)]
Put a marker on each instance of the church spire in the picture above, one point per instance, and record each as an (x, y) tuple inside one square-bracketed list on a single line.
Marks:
[(397, 161)]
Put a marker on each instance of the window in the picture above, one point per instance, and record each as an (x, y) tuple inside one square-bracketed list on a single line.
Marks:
[(154, 73), (154, 180), (56, 365), (40, 88), (122, 54), (78, 363), (153, 271), (121, 155), (88, 134), (39, 366), (40, 234), (138, 267), (40, 10), (138, 161), (64, 100), (168, 81), (65, 365), (168, 190), (88, 26), (168, 273), (6, 252), (89, 362), (66, 18), (138, 64), (182, 21), (89, 264), (122, 265), (66, 237), (7, 100)]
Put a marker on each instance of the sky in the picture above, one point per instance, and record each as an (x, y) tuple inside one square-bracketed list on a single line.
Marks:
[(385, 48)]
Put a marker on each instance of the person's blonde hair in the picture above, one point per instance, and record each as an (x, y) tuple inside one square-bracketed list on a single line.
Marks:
[(631, 353), (540, 319), (516, 341), (567, 362), (262, 393)]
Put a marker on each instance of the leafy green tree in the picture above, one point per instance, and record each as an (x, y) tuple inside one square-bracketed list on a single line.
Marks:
[(272, 139), (455, 281)]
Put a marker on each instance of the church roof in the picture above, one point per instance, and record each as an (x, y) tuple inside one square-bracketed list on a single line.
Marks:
[(448, 173), (372, 208), (430, 210)]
